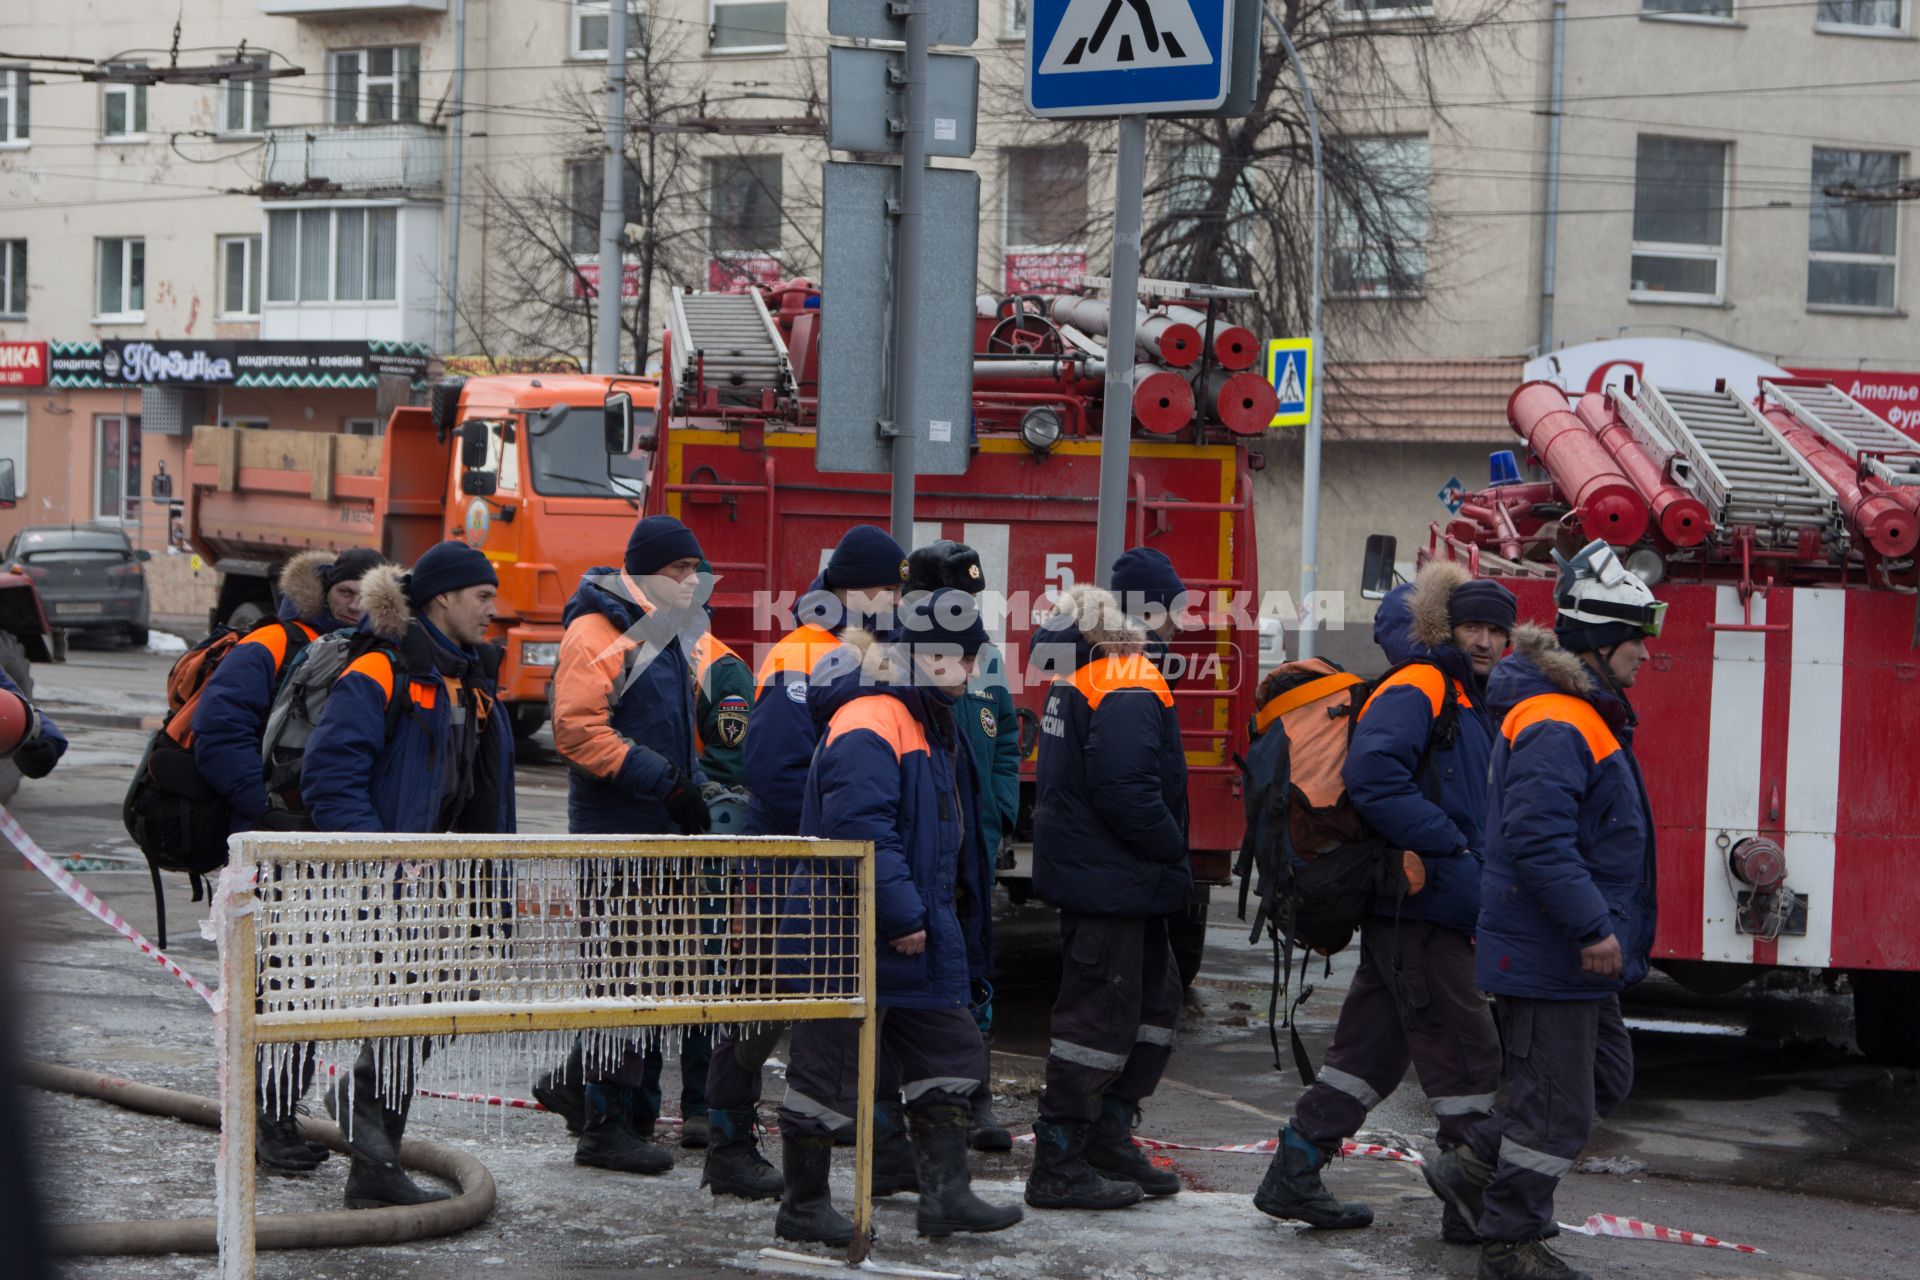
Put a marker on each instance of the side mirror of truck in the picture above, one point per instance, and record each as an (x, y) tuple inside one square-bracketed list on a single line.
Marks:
[(620, 424), (479, 484), (1377, 574), (473, 445)]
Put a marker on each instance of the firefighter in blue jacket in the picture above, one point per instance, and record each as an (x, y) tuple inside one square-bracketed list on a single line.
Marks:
[(988, 720), (1110, 851), (893, 769), (43, 744), (447, 766), (1416, 771), (1568, 907), (624, 719), (857, 589), (319, 593)]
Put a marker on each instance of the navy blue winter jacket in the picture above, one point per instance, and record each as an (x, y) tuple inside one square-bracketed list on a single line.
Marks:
[(625, 747), (1570, 847), (49, 731), (891, 768), (355, 778), (1110, 801), (1417, 790)]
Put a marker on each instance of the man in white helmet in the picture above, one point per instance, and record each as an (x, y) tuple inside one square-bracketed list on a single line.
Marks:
[(1567, 914)]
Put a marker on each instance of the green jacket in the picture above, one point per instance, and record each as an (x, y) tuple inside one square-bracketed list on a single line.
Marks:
[(725, 697), (993, 732)]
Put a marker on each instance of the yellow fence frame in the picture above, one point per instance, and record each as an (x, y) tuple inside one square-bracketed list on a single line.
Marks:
[(240, 1029)]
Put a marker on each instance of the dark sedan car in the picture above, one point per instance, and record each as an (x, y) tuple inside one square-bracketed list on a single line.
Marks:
[(90, 580)]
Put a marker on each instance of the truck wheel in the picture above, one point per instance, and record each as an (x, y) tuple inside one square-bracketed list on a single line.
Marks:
[(13, 660), (1188, 933), (1886, 1016), (526, 718)]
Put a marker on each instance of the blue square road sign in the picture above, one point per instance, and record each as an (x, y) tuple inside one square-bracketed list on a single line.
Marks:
[(1128, 57)]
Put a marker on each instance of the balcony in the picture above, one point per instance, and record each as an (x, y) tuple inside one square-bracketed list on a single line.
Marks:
[(356, 159), (349, 8)]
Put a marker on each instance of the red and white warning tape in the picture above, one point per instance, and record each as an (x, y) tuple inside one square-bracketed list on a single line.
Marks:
[(1606, 1224), (50, 867)]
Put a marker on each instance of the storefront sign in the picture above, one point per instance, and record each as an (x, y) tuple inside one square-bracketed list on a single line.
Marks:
[(738, 273), (23, 364), (1894, 396), (168, 362), (1044, 272), (584, 280)]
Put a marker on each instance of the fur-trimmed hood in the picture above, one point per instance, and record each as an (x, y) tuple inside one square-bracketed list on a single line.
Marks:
[(1539, 665), (1085, 623), (383, 599), (303, 589), (1428, 603), (865, 663)]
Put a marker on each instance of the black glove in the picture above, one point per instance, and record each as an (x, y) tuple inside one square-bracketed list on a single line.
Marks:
[(685, 807), (37, 758)]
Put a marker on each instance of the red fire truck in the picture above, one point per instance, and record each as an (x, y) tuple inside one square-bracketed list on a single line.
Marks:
[(732, 451), (1777, 707)]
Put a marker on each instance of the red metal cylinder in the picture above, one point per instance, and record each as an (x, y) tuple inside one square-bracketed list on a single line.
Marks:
[(1174, 343), (1234, 345), (1889, 526), (1609, 506), (1244, 403), (1162, 401), (1680, 517)]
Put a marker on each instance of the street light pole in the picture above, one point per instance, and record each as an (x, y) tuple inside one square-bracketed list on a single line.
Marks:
[(1310, 479), (909, 242), (613, 203)]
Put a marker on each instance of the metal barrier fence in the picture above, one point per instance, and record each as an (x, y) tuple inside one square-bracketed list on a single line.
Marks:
[(383, 938)]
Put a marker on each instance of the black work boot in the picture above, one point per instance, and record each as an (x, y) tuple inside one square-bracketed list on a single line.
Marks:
[(1525, 1260), (278, 1145), (607, 1141), (1454, 1227), (894, 1168), (1292, 1189), (806, 1210), (695, 1131), (735, 1166), (374, 1131), (1110, 1150), (947, 1202), (563, 1092), (1459, 1177), (987, 1133), (1062, 1178)]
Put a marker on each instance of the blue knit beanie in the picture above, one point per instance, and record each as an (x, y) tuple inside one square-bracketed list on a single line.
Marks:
[(657, 542), (866, 558), (1143, 575), (448, 566)]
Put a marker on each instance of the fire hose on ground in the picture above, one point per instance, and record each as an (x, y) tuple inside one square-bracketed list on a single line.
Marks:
[(334, 1229)]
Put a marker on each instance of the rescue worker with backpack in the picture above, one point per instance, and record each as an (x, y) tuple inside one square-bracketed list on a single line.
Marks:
[(1110, 852), (624, 717), (893, 769), (411, 739), (319, 594), (1415, 773), (41, 743), (986, 716), (858, 588), (1568, 907)]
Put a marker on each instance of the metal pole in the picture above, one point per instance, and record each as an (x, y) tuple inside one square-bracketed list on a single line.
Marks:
[(909, 241), (613, 205), (1549, 245), (1116, 414), (1310, 480), (449, 297)]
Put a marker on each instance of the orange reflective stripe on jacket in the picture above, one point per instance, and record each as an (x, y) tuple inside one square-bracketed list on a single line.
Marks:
[(1103, 676), (376, 667), (1566, 709), (274, 640), (800, 651), (884, 715), (1427, 679)]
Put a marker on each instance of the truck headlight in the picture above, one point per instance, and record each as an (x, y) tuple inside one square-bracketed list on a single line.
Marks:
[(534, 653)]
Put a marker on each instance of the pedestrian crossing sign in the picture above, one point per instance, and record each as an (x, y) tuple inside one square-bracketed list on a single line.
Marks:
[(1290, 370), (1128, 57)]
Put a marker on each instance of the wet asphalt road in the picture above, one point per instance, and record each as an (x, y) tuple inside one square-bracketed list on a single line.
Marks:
[(1752, 1118)]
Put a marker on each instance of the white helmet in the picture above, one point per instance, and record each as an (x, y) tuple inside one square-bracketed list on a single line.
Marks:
[(1595, 589)]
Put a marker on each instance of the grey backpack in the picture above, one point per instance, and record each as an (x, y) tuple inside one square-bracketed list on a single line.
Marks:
[(297, 707)]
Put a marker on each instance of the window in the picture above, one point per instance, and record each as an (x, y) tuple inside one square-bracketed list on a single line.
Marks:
[(743, 205), (124, 112), (1715, 10), (122, 292), (13, 277), (332, 255), (590, 27), (1385, 8), (586, 187), (1679, 221), (116, 468), (1016, 12), (1046, 197), (1861, 16), (375, 85), (239, 277), (1380, 222), (1853, 242), (246, 106), (362, 427), (746, 26), (13, 450), (13, 106)]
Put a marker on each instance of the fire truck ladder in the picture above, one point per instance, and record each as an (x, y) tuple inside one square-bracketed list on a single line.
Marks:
[(733, 341), (1850, 427), (1740, 467)]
